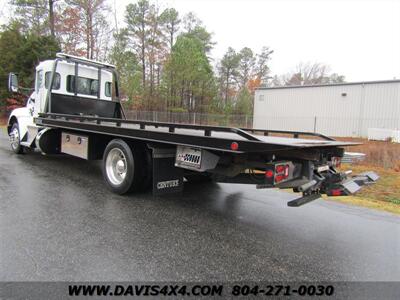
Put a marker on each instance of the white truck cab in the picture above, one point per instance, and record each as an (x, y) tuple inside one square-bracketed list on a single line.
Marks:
[(78, 88)]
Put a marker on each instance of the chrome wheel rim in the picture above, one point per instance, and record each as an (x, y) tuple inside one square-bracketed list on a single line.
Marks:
[(116, 166), (14, 138)]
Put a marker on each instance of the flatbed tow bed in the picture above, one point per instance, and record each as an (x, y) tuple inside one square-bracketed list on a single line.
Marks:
[(89, 122), (208, 137), (216, 139)]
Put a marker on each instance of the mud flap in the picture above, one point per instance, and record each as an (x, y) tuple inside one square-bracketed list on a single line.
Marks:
[(167, 178)]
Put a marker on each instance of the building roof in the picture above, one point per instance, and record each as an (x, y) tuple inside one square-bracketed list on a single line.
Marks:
[(330, 84)]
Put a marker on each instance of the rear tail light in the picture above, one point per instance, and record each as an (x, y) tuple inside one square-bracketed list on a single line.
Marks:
[(280, 169), (278, 172), (281, 172), (279, 178), (234, 146), (269, 174), (336, 192)]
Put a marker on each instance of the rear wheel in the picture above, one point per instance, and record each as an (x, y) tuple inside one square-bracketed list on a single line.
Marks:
[(124, 167), (15, 140)]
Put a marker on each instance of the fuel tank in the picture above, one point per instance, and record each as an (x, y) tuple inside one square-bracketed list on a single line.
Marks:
[(48, 141)]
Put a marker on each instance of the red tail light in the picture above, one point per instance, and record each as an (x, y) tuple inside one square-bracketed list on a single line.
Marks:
[(281, 172), (269, 174), (234, 146), (336, 192), (279, 178), (280, 169), (277, 172)]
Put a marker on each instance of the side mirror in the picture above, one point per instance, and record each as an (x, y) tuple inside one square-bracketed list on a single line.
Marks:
[(12, 83)]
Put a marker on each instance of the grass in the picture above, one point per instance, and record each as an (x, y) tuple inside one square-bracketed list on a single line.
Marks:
[(383, 195), (384, 159), (386, 189), (369, 203)]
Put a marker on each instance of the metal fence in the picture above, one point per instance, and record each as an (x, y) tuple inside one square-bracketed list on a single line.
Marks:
[(192, 118), (343, 127)]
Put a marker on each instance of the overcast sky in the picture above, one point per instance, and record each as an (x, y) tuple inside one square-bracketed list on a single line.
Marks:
[(357, 38)]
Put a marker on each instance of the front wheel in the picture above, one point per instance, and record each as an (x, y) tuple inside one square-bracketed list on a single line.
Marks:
[(15, 140), (122, 167)]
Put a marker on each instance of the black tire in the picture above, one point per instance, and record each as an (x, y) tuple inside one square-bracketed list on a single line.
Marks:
[(16, 145), (131, 177)]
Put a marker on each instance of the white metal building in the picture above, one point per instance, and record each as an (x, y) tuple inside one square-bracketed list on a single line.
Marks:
[(346, 109)]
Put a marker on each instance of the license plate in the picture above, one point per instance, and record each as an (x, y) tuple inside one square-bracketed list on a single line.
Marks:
[(189, 157)]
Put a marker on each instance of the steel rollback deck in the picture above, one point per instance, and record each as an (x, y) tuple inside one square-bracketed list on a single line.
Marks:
[(216, 138)]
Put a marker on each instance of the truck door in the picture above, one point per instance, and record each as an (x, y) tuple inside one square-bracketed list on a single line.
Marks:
[(40, 92)]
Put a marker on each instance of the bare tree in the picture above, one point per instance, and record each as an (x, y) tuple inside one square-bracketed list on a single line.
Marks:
[(70, 31), (115, 17), (92, 14), (309, 74), (262, 69), (191, 21)]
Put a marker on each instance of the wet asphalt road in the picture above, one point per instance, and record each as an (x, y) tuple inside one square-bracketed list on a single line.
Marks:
[(59, 222)]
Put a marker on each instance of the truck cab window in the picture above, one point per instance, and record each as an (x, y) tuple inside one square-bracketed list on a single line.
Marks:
[(56, 82), (93, 87), (107, 89), (39, 80), (86, 86)]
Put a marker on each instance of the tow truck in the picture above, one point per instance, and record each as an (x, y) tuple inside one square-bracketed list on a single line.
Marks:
[(75, 109)]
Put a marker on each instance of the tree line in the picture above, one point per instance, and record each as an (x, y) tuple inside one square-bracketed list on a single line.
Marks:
[(164, 59)]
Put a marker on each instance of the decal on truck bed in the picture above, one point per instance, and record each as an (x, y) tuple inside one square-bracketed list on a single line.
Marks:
[(167, 184)]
